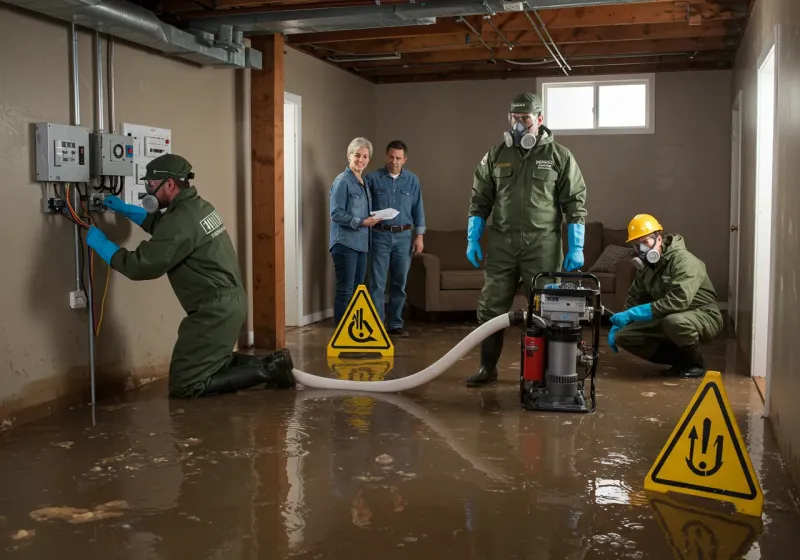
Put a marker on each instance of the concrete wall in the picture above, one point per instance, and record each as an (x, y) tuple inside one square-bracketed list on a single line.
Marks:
[(785, 380), (681, 173), (44, 343)]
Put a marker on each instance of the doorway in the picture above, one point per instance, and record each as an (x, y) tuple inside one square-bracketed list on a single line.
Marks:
[(291, 206), (736, 186), (762, 277)]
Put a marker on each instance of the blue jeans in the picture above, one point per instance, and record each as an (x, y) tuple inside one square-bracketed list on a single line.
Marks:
[(350, 267), (390, 255)]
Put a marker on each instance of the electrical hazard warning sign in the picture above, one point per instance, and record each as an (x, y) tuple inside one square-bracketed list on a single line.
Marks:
[(361, 329), (706, 456)]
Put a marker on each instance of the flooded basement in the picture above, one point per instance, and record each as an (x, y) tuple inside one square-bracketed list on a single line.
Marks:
[(442, 471)]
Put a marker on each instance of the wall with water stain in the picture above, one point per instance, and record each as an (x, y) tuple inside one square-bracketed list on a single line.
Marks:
[(785, 355), (44, 343)]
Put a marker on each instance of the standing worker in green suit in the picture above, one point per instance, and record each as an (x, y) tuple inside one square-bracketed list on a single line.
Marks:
[(529, 184), (189, 243), (671, 309)]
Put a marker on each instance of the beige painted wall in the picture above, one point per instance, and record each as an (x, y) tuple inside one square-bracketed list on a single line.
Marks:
[(336, 107), (43, 343), (785, 381), (681, 173)]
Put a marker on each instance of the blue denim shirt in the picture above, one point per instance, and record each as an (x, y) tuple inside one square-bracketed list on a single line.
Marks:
[(403, 194), (350, 205)]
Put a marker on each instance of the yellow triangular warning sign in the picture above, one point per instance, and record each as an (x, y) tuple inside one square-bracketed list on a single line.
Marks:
[(706, 456), (361, 329), (694, 533)]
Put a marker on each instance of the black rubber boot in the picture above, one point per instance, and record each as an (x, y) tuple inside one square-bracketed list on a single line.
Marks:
[(690, 362), (491, 348), (248, 370)]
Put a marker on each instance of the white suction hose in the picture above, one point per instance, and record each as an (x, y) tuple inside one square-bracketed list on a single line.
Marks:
[(421, 377)]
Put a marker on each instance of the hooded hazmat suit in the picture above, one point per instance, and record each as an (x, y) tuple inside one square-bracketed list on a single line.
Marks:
[(528, 193)]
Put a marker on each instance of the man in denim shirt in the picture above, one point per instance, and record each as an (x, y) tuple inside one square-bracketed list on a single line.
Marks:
[(393, 241)]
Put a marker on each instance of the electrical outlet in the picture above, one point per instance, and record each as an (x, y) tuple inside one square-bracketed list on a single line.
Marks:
[(77, 299), (53, 205), (96, 201)]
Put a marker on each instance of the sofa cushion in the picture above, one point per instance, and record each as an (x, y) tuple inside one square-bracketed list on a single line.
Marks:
[(608, 282), (615, 237), (451, 249), (610, 258), (462, 279)]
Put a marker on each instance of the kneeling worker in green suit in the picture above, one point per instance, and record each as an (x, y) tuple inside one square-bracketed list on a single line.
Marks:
[(190, 245), (671, 309)]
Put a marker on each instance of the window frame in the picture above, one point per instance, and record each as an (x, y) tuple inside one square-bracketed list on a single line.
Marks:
[(649, 81)]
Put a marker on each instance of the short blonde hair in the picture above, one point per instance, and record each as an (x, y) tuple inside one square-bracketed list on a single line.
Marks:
[(357, 144)]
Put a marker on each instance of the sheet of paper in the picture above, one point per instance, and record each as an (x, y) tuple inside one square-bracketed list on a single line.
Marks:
[(385, 214)]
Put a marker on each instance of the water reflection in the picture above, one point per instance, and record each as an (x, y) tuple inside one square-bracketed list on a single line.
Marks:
[(695, 533)]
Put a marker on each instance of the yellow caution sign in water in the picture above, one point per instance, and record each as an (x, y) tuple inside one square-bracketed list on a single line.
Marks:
[(361, 329), (361, 370), (706, 455), (695, 533)]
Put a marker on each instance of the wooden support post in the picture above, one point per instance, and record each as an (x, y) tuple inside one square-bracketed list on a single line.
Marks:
[(266, 140)]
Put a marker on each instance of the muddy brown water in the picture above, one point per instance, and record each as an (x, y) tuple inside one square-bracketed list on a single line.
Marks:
[(439, 472)]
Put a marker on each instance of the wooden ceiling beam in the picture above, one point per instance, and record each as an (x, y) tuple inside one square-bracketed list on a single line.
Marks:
[(656, 11), (441, 28), (599, 60), (585, 71), (530, 38), (527, 53)]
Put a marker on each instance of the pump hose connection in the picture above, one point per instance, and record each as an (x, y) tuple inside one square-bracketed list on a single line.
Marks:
[(421, 377)]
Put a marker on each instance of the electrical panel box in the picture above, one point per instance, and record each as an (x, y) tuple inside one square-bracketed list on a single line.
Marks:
[(148, 144), (62, 153), (112, 155)]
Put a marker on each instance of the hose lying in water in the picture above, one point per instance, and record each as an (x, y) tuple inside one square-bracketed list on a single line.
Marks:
[(421, 377)]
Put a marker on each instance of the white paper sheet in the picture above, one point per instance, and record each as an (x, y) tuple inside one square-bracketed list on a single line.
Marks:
[(385, 214)]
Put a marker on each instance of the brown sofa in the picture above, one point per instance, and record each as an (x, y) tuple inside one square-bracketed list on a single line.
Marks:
[(442, 279)]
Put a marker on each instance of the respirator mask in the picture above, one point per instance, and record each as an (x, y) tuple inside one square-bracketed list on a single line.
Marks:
[(149, 201), (519, 136), (645, 254)]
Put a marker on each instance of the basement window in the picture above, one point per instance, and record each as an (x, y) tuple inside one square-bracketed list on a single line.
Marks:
[(600, 105)]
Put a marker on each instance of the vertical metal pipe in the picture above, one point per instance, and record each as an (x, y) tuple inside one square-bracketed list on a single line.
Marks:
[(90, 300), (76, 93), (112, 109), (99, 124)]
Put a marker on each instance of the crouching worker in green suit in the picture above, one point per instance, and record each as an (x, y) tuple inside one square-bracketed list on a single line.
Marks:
[(190, 245), (671, 309)]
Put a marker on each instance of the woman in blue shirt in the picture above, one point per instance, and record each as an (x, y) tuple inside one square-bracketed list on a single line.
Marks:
[(350, 205)]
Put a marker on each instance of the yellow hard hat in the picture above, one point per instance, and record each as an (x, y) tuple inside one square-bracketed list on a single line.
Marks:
[(642, 225)]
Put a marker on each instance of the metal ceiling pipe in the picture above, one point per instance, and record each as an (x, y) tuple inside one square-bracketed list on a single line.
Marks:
[(539, 33), (546, 32), (259, 20), (133, 23)]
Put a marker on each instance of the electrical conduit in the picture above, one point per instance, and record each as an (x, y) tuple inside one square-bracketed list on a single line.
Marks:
[(421, 377)]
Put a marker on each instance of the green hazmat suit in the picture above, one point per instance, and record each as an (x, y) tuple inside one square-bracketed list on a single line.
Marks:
[(683, 302), (528, 193), (190, 244)]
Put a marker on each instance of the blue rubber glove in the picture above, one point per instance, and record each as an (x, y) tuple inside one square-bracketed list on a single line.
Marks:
[(574, 258), (474, 232), (633, 315), (130, 211), (612, 342), (98, 241)]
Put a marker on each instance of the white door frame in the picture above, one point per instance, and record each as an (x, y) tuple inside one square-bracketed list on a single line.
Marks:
[(771, 46), (296, 256), (736, 212)]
